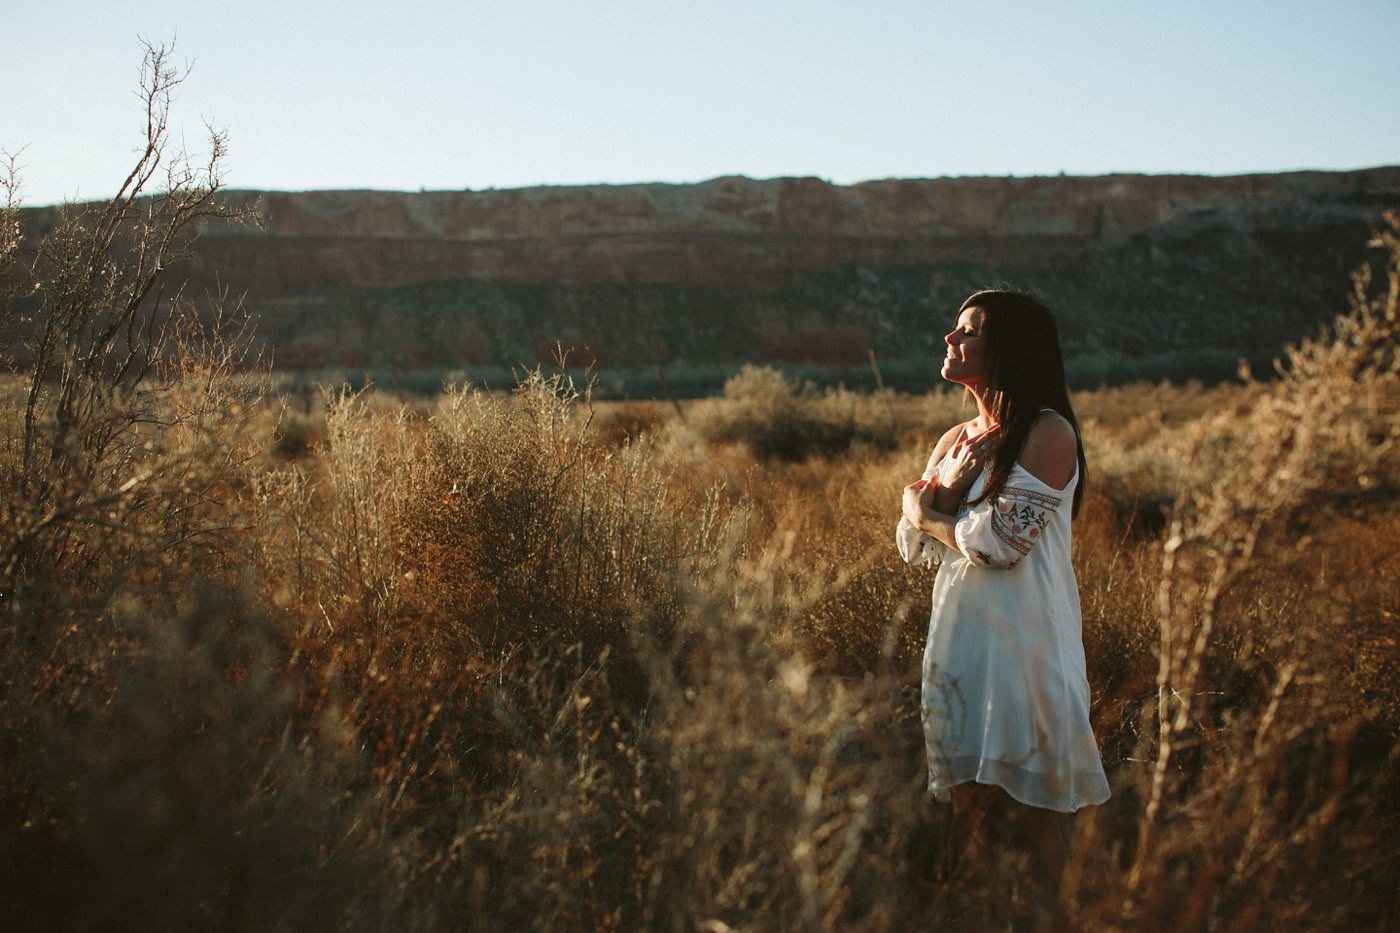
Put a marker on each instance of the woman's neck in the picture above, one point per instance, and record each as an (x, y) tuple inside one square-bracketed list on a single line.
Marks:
[(986, 418)]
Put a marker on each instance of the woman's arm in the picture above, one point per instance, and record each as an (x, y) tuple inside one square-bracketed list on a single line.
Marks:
[(919, 511), (985, 534), (931, 507), (945, 443), (922, 509)]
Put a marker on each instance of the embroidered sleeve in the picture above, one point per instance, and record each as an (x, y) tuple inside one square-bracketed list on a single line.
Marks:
[(999, 532), (916, 548)]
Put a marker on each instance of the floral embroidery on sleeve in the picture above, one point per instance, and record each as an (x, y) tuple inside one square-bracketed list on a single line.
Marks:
[(1020, 516)]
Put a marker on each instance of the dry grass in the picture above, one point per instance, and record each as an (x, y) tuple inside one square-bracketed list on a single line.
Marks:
[(518, 662)]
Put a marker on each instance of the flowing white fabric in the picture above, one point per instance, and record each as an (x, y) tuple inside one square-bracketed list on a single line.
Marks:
[(1005, 697), (916, 548)]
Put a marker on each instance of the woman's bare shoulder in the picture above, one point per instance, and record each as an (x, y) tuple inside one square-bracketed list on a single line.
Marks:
[(951, 435), (1051, 453), (945, 442)]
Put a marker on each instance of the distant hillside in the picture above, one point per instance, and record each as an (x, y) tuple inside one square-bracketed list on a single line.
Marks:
[(1151, 275)]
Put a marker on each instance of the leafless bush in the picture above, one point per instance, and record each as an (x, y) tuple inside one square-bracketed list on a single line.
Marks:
[(14, 284), (129, 391), (123, 462)]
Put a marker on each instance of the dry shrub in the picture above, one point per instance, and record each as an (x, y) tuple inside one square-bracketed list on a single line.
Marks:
[(490, 524), (777, 419), (1117, 565), (442, 566), (619, 423), (789, 797), (188, 801), (501, 527), (860, 603), (124, 455), (1263, 768), (144, 775), (1137, 439), (749, 790), (120, 459)]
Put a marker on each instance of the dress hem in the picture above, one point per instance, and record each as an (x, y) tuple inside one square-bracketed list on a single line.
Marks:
[(1085, 789), (940, 793)]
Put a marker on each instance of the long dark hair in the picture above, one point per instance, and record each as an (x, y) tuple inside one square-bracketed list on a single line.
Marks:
[(1025, 375)]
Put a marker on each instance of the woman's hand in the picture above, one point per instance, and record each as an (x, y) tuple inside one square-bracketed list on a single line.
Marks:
[(917, 497), (969, 462), (921, 511)]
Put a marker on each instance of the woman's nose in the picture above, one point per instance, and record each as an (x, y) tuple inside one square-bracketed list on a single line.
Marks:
[(948, 338)]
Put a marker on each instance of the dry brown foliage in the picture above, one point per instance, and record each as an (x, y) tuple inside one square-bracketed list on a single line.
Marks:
[(526, 662)]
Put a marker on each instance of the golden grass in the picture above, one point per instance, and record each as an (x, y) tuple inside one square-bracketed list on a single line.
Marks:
[(529, 662)]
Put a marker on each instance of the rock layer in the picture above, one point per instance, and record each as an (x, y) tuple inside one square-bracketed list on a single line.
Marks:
[(739, 231), (1150, 276)]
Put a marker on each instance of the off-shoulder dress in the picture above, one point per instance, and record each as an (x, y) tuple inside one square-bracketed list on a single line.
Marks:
[(1005, 698)]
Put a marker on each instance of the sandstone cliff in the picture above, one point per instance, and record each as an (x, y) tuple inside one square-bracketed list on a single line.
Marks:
[(730, 231), (791, 269)]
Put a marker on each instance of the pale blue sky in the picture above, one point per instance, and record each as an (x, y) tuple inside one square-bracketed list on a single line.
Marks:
[(510, 93)]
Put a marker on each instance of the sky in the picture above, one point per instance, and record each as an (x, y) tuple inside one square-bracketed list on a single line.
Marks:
[(511, 93)]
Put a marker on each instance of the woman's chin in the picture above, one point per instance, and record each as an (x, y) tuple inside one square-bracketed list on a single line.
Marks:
[(953, 374)]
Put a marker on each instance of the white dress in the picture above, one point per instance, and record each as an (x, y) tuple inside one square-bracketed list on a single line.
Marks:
[(1005, 697)]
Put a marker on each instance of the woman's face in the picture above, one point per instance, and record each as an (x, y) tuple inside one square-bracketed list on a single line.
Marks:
[(966, 361)]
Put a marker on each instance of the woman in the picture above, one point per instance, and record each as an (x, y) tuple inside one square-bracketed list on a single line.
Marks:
[(1005, 699)]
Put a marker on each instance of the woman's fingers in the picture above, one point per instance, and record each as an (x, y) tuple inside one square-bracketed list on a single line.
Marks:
[(977, 448), (912, 504)]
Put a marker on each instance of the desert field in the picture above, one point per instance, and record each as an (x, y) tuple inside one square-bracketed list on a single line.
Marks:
[(529, 661)]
